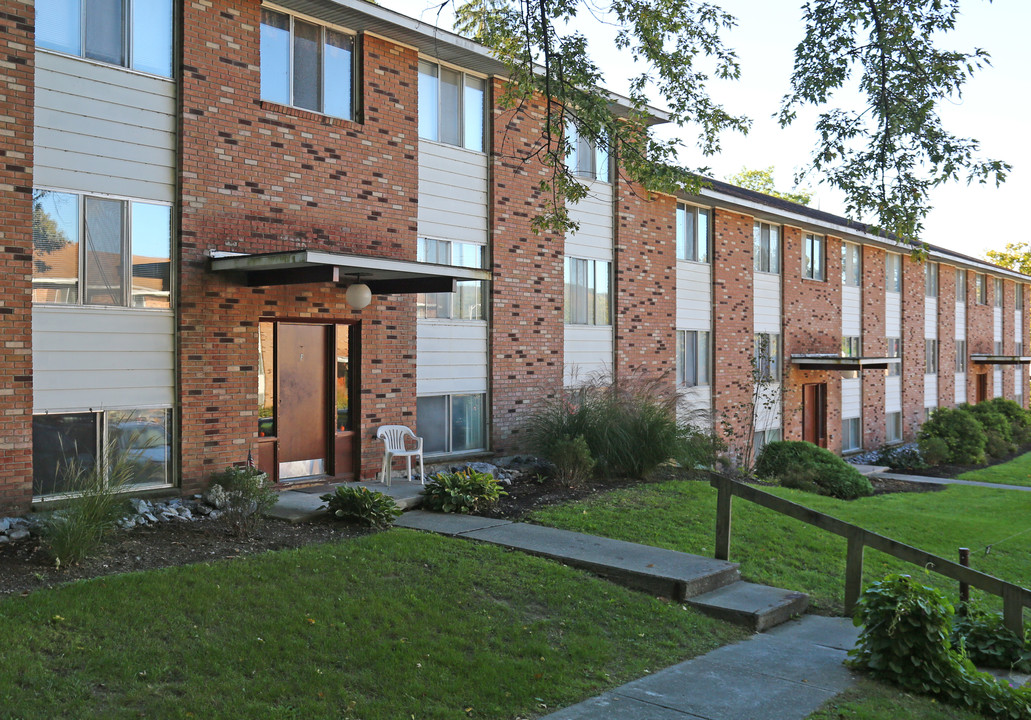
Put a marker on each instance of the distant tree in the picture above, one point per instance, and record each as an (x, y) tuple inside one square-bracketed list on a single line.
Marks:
[(1016, 256), (762, 181)]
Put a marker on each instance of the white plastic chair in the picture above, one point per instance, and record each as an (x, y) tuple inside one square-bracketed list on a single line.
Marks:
[(393, 437)]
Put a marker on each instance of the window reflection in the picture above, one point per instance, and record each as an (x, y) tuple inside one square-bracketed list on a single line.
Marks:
[(343, 379), (151, 255), (266, 380), (55, 247)]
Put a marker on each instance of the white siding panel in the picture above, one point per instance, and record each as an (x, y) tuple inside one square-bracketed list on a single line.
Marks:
[(961, 388), (851, 313), (961, 321), (588, 352), (893, 394), (694, 296), (930, 317), (996, 383), (452, 193), (930, 391), (767, 303), (769, 408), (997, 324), (451, 357), (851, 398), (594, 214), (696, 406), (101, 358), (103, 129), (893, 314)]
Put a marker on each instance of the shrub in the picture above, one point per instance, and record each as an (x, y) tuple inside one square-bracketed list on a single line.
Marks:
[(362, 506), (901, 457), (934, 450), (805, 466), (960, 430), (243, 498), (905, 641), (572, 458), (1019, 418), (986, 641), (467, 491), (998, 433)]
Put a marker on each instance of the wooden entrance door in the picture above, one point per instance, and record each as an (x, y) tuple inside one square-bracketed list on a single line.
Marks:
[(302, 352), (981, 388), (814, 413)]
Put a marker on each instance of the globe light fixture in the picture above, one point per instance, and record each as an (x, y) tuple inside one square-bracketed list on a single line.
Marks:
[(358, 295)]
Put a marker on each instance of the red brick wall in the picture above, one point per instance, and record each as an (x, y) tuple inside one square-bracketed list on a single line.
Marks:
[(979, 334), (646, 280), (733, 324), (17, 93), (258, 177), (527, 330), (912, 346), (946, 335), (875, 344)]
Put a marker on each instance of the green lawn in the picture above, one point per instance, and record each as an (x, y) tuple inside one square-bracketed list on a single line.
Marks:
[(779, 551), (393, 625), (1016, 472), (870, 700)]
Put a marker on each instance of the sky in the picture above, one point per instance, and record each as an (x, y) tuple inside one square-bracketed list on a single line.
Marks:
[(995, 109)]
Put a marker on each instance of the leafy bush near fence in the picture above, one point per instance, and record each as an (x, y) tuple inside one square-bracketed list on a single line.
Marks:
[(961, 431), (805, 466)]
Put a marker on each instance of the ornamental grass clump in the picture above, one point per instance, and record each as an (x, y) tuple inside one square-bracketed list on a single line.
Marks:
[(804, 466), (362, 506)]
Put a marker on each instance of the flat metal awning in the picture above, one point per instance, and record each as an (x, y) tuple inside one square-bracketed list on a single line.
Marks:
[(384, 276), (820, 361), (1000, 359)]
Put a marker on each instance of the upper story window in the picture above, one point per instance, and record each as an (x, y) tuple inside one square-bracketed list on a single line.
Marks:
[(89, 250), (1018, 297), (767, 357), (850, 346), (587, 292), (586, 159), (997, 292), (894, 351), (135, 34), (980, 289), (930, 356), (961, 356), (306, 65), (961, 285), (851, 265), (931, 279), (893, 272), (692, 233), (451, 106), (766, 247), (692, 357), (467, 302), (813, 260)]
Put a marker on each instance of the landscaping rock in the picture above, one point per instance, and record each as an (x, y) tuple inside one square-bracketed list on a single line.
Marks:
[(5, 524), (217, 497), (139, 505), (150, 517), (17, 535)]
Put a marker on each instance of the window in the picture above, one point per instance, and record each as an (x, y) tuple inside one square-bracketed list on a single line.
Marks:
[(762, 438), (766, 251), (961, 286), (851, 434), (451, 106), (587, 292), (692, 357), (929, 411), (1018, 298), (894, 351), (931, 279), (767, 357), (980, 291), (64, 441), (930, 356), (135, 34), (894, 426), (997, 292), (850, 346), (1018, 351), (813, 260), (469, 299), (893, 272), (961, 356), (451, 423), (692, 233), (851, 265), (89, 250), (586, 159), (307, 66)]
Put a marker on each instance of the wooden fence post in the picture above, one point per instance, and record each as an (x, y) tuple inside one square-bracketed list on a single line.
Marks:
[(723, 501), (853, 571), (1012, 610)]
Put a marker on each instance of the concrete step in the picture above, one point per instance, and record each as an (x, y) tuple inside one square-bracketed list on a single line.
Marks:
[(757, 607), (304, 504), (872, 470)]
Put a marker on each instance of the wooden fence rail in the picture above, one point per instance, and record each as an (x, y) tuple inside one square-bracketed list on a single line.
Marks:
[(1014, 597)]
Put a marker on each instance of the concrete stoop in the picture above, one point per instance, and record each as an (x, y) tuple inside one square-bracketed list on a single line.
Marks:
[(757, 607)]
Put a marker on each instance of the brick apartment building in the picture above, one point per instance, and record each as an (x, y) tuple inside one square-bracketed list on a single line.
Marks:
[(197, 196)]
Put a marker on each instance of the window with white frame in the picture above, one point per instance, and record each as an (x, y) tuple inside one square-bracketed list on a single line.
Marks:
[(961, 356), (1018, 350), (961, 286), (692, 233), (762, 438), (851, 434), (930, 279), (469, 299), (451, 423), (894, 351), (766, 247), (307, 66), (851, 265), (587, 294), (929, 411), (893, 272), (997, 292), (767, 357), (980, 289), (893, 421), (93, 250), (692, 357), (851, 346), (135, 34), (587, 158), (813, 257), (930, 356), (451, 106)]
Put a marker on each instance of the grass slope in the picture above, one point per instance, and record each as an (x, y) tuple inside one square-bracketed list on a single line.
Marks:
[(779, 551), (870, 700), (1015, 472), (394, 625)]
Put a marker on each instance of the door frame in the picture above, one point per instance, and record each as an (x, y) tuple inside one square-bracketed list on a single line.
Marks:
[(819, 391)]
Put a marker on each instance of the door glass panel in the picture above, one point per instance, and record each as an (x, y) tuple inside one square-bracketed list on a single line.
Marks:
[(55, 247), (466, 422), (105, 237), (432, 424), (105, 38), (266, 380), (141, 438), (343, 379), (61, 444)]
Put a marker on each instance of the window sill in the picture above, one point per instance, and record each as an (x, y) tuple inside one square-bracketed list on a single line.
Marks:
[(312, 115), (768, 272), (76, 307), (453, 321), (463, 148), (815, 280), (101, 63), (705, 263)]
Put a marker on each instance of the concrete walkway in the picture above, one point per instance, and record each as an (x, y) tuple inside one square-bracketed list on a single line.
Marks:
[(784, 674), (303, 504), (948, 481)]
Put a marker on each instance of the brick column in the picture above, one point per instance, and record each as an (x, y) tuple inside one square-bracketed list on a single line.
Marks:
[(946, 336), (875, 344), (979, 334), (912, 346)]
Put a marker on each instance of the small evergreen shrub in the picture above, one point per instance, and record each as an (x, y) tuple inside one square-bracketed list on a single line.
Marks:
[(244, 497), (901, 457), (466, 491), (360, 505), (998, 433), (960, 430), (572, 459), (804, 465), (934, 450)]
